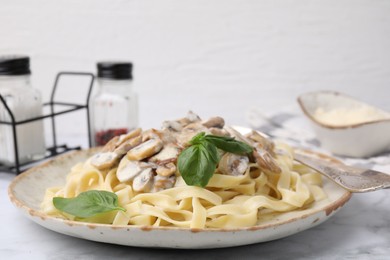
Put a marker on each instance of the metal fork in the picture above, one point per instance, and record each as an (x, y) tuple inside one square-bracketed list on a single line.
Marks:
[(351, 178)]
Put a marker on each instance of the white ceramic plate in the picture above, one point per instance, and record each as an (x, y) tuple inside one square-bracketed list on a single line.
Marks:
[(27, 190)]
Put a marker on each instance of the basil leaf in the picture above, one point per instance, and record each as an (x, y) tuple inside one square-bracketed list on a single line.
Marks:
[(197, 164), (198, 139), (88, 203), (229, 144)]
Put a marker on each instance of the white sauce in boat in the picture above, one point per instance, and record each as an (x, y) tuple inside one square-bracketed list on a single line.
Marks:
[(349, 116)]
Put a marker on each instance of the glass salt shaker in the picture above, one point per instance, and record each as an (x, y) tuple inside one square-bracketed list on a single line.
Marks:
[(25, 103), (115, 106)]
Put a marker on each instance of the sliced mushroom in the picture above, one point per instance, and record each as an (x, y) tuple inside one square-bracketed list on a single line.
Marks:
[(166, 170), (217, 122), (116, 141), (234, 133), (128, 145), (188, 132), (172, 125), (128, 170), (218, 131), (167, 136), (123, 138), (265, 160), (145, 150), (264, 152), (261, 142), (192, 117), (194, 127), (143, 182), (151, 134), (233, 164), (104, 160), (110, 145), (169, 153), (162, 182), (262, 157)]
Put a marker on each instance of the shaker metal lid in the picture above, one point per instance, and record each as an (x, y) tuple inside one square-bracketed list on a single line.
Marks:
[(115, 70), (13, 65)]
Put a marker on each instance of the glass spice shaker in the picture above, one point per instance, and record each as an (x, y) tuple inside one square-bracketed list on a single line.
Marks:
[(25, 103), (115, 106)]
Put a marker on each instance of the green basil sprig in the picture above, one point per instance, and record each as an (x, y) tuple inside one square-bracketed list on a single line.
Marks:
[(197, 163), (88, 203)]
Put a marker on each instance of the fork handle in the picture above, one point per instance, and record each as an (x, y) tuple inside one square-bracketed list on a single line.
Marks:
[(351, 178)]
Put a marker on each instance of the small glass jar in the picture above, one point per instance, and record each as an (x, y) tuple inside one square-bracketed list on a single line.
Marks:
[(25, 103), (114, 108)]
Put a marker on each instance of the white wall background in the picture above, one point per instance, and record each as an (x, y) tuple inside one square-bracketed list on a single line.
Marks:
[(191, 54)]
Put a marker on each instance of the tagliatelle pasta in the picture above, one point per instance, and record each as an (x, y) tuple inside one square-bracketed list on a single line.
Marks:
[(228, 200)]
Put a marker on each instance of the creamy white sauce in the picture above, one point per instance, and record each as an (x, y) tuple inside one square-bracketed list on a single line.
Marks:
[(349, 116)]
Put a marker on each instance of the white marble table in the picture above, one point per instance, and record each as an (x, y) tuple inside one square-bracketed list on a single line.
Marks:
[(360, 230)]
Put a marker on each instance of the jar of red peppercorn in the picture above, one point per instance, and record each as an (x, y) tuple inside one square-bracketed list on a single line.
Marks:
[(114, 108)]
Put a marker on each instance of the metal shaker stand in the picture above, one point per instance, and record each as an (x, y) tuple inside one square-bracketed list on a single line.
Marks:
[(56, 149)]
